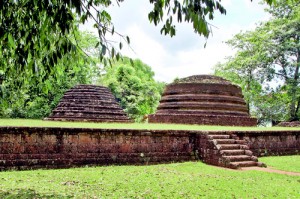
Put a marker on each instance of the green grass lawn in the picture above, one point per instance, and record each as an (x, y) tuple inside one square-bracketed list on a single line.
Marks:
[(180, 180), (285, 163), (41, 123)]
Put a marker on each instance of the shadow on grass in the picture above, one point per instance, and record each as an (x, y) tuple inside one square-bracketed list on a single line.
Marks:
[(28, 194)]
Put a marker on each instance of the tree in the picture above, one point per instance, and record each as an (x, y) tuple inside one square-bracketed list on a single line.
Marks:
[(34, 96), (29, 27), (268, 54), (284, 50), (134, 87)]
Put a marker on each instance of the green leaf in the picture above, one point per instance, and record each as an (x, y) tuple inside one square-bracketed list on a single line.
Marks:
[(97, 44), (128, 39), (131, 62), (11, 41), (112, 52)]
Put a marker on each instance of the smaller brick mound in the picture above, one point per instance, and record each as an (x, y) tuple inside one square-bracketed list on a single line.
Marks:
[(203, 99), (88, 103), (289, 124)]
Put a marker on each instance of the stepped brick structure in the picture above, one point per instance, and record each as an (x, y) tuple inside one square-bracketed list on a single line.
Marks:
[(203, 99), (226, 150), (89, 103)]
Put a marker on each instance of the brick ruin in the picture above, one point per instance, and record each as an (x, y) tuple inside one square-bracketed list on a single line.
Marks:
[(193, 100), (30, 148), (88, 103), (203, 99)]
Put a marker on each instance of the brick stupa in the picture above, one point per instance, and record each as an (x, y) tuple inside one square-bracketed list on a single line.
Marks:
[(205, 100), (88, 103)]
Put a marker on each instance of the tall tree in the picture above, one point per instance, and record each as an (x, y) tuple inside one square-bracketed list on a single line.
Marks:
[(134, 87), (270, 54), (284, 50)]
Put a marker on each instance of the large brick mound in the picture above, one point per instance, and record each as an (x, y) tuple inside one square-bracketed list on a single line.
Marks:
[(88, 103), (203, 99)]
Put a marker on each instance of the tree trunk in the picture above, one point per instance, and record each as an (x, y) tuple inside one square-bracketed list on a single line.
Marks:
[(293, 109), (248, 87)]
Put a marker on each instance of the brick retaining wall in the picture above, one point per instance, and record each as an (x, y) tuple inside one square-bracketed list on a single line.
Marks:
[(22, 148), (26, 148), (267, 143)]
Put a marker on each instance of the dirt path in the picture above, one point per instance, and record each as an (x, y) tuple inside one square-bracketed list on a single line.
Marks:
[(271, 170)]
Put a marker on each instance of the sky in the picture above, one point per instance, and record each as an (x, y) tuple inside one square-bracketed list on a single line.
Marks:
[(184, 54)]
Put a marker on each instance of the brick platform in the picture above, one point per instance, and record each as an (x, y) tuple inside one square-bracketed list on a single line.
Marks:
[(29, 148)]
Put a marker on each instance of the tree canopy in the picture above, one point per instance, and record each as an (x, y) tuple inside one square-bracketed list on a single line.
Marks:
[(29, 28), (34, 96), (134, 87), (267, 63)]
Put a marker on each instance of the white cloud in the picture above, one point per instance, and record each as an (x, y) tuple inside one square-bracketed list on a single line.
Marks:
[(145, 48), (226, 3), (184, 54)]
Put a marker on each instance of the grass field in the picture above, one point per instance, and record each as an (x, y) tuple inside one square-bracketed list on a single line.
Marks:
[(180, 180), (41, 123), (285, 163)]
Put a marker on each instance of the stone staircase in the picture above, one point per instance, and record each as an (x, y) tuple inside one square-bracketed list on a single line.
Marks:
[(227, 151)]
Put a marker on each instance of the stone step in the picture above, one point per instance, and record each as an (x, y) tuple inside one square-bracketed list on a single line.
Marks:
[(228, 146), (241, 142), (236, 165), (225, 141), (219, 136), (254, 158), (244, 146), (232, 152), (238, 158), (248, 152)]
